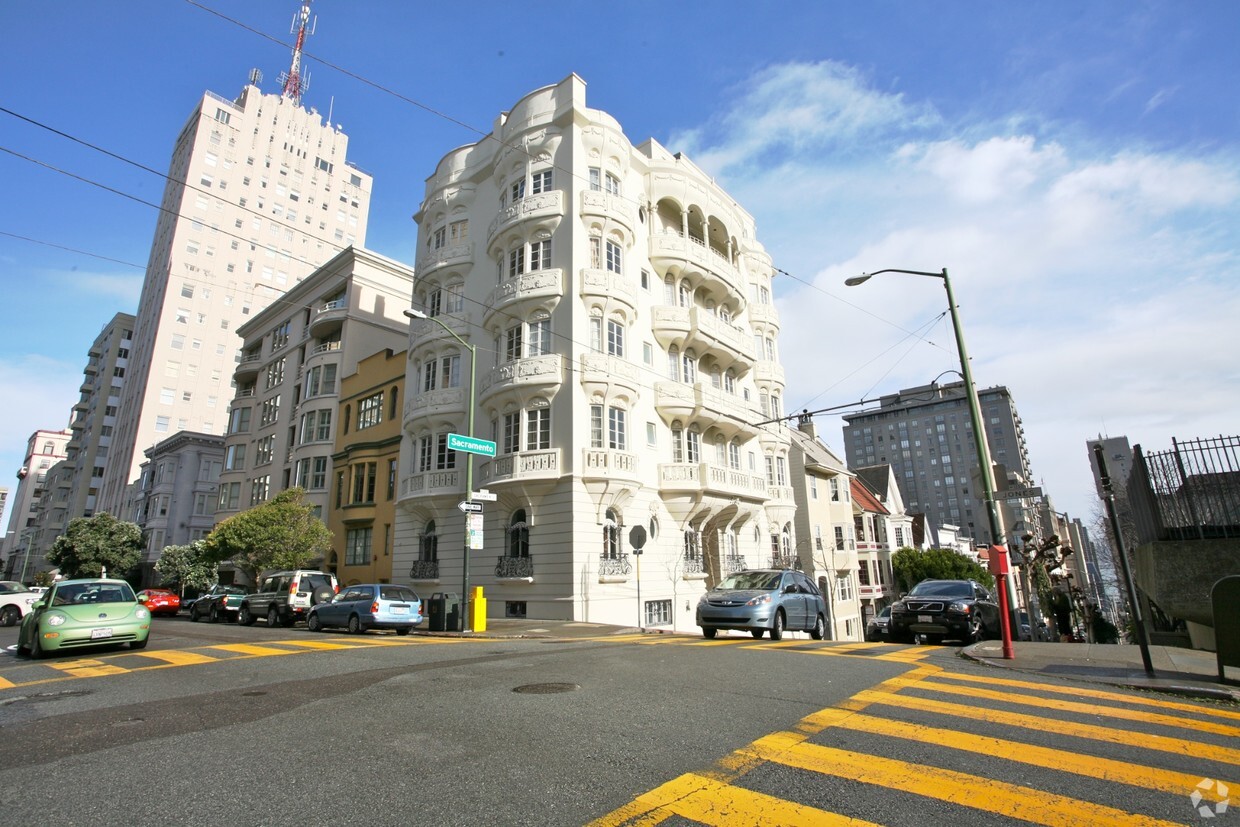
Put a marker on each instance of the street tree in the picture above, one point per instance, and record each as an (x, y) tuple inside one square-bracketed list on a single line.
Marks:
[(91, 545), (282, 533), (189, 566), (911, 566)]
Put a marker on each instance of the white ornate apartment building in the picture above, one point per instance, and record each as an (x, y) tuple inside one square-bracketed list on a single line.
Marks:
[(620, 307), (259, 194)]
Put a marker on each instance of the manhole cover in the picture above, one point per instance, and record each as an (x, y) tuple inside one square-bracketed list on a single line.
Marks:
[(546, 688)]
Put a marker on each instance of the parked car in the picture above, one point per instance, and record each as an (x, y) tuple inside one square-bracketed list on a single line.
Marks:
[(879, 627), (945, 609), (369, 606), (219, 603), (764, 600), (284, 597), (15, 602), (82, 613), (161, 601)]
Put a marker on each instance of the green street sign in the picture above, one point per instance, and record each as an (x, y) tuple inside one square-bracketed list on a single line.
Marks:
[(470, 445)]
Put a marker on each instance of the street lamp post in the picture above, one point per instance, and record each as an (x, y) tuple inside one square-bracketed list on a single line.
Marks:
[(979, 439), (469, 458)]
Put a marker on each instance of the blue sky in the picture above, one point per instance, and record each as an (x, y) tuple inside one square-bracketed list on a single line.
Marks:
[(1074, 165)]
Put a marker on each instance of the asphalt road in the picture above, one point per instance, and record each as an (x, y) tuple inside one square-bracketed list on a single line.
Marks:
[(222, 724)]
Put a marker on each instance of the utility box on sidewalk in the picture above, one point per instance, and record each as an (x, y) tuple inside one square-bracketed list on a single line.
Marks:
[(1225, 597), (443, 613), (478, 611)]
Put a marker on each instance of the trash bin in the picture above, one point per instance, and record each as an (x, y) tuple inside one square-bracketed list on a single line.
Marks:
[(443, 613)]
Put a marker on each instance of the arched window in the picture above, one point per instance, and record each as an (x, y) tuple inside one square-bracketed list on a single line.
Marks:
[(669, 291), (395, 404), (518, 535), (611, 536), (348, 415), (673, 363), (686, 294), (692, 552), (428, 544), (688, 367)]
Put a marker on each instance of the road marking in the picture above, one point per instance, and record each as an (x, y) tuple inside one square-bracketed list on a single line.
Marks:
[(1038, 723), (1093, 766), (322, 644), (971, 791), (1082, 692), (707, 801), (1088, 709), (252, 649), (6, 684), (176, 657), (88, 668)]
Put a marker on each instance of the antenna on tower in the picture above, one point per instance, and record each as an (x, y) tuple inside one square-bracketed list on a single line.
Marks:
[(294, 83)]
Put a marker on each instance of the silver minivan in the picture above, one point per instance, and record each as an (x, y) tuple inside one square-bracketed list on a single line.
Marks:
[(764, 600)]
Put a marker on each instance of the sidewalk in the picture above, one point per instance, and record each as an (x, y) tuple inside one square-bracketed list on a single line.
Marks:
[(1189, 672)]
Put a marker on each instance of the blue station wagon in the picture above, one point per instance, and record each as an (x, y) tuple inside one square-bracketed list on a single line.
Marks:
[(369, 606)]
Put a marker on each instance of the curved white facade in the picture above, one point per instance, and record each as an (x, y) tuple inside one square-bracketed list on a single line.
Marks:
[(620, 307)]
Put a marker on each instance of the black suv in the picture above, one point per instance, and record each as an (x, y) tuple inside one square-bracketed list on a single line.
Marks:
[(941, 609), (285, 597)]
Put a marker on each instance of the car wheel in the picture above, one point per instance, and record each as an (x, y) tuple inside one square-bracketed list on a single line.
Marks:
[(313, 623), (139, 644), (9, 616), (244, 617), (273, 618), (36, 648), (777, 627), (820, 629), (355, 625), (215, 614), (709, 634), (194, 617), (402, 630), (977, 630), (757, 633)]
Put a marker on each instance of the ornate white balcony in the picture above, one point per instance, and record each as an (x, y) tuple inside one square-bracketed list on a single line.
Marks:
[(543, 205), (442, 402), (431, 483), (460, 256), (608, 206), (693, 257), (536, 287), (706, 405), (544, 373), (523, 466), (710, 480), (613, 287), (603, 373), (706, 334), (597, 463)]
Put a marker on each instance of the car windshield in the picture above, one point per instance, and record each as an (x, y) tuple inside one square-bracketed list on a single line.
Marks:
[(942, 588), (751, 581), (233, 590), (397, 593), (11, 586), (75, 593)]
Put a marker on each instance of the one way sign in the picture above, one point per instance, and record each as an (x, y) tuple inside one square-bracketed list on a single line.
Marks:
[(469, 507)]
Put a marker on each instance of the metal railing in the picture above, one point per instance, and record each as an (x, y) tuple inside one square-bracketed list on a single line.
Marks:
[(1191, 492), (514, 567)]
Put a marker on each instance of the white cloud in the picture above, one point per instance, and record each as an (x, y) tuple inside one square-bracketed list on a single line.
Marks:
[(123, 288), (1099, 286)]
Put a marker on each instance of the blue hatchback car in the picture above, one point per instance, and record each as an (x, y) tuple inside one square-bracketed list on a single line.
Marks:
[(369, 606)]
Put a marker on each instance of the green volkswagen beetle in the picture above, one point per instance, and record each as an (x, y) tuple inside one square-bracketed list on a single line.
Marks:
[(80, 613)]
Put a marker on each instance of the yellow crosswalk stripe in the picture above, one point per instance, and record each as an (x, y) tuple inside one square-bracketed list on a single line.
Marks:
[(1087, 709), (1090, 766), (984, 794), (707, 801), (1039, 723), (87, 668), (252, 649), (177, 657), (6, 684), (322, 644), (1102, 694)]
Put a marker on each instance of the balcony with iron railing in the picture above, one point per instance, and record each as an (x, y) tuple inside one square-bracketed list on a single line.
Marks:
[(248, 366), (424, 570), (514, 568), (614, 568), (328, 318)]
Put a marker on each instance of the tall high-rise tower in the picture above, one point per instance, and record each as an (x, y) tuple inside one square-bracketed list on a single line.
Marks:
[(259, 194)]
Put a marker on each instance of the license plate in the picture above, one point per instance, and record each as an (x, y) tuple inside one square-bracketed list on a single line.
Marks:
[(399, 610), (925, 619), (96, 634)]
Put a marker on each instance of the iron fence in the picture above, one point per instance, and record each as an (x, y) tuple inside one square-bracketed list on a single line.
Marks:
[(1191, 492)]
